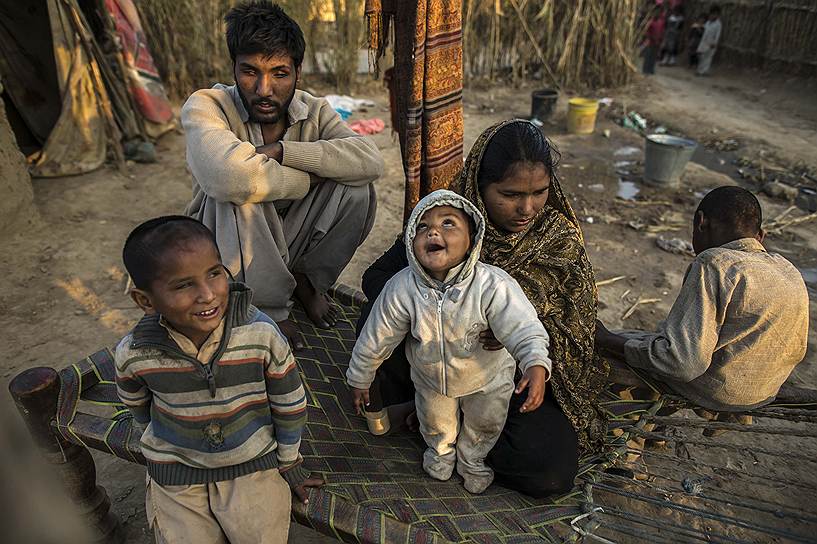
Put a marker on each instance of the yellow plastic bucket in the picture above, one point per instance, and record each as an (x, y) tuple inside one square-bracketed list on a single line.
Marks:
[(581, 115)]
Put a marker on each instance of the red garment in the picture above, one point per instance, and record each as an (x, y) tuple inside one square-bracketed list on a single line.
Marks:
[(655, 31), (366, 127), (140, 71)]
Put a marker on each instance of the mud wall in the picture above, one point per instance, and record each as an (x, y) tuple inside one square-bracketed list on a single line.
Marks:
[(16, 194), (769, 34)]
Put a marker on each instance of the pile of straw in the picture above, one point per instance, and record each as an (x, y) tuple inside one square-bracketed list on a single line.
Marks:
[(568, 43), (187, 39)]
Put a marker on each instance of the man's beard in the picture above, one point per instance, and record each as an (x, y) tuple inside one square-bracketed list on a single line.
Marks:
[(267, 118)]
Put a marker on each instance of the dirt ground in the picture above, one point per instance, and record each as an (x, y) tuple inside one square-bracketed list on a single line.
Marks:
[(65, 281)]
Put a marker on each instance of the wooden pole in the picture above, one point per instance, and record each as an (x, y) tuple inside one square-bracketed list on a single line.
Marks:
[(35, 392)]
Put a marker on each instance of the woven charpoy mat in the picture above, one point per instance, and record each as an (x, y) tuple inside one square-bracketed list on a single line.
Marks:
[(384, 474), (376, 489)]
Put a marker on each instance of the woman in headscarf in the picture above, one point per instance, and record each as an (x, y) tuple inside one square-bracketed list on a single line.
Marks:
[(533, 234)]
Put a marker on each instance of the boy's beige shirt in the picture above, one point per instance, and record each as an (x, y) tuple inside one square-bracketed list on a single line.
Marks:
[(736, 331), (207, 349)]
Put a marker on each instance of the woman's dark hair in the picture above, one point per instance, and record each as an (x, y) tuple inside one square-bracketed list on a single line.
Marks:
[(259, 26), (519, 141)]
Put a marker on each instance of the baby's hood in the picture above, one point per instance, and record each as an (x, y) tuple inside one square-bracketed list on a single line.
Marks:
[(444, 197)]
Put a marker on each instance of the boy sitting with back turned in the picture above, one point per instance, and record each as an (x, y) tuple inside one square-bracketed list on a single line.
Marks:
[(216, 385), (740, 323), (440, 304)]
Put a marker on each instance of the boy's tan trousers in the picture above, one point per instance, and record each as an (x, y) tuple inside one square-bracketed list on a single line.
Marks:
[(252, 509)]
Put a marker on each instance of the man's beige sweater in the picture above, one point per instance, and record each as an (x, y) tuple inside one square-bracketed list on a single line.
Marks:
[(237, 192)]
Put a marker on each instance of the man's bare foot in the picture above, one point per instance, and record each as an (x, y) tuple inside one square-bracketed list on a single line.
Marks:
[(293, 335), (317, 305)]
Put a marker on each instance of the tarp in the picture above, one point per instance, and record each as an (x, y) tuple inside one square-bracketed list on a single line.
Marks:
[(27, 66), (144, 83), (72, 101), (76, 141)]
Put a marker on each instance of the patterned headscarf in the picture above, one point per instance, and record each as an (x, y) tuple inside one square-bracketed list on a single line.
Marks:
[(549, 261)]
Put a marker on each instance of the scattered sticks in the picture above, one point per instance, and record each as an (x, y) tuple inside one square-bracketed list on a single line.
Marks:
[(609, 281), (776, 226), (638, 303)]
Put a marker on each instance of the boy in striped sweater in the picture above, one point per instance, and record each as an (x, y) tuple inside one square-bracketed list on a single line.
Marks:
[(216, 385)]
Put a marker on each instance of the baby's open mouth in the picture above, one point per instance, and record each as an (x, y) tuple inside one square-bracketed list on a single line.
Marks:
[(433, 248), (207, 313)]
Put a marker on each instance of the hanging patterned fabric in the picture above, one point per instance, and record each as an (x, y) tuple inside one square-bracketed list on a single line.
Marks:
[(425, 87)]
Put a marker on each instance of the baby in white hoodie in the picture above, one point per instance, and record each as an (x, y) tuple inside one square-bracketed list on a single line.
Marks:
[(440, 304)]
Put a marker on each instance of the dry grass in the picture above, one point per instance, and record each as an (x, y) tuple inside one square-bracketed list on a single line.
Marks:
[(569, 43), (187, 39)]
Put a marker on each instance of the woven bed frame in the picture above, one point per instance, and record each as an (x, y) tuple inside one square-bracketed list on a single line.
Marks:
[(376, 490)]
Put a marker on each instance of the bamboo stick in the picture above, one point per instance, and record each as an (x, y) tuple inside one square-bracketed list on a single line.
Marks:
[(609, 281), (638, 303)]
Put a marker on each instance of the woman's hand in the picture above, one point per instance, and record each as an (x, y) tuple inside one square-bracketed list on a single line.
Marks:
[(360, 399), (534, 380), (489, 341), (609, 342)]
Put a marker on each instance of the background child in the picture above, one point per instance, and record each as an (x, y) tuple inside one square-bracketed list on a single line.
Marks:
[(709, 41), (440, 304), (217, 386), (652, 39), (672, 36), (696, 31)]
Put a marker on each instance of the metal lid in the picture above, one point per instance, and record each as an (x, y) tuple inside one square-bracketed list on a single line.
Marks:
[(673, 141)]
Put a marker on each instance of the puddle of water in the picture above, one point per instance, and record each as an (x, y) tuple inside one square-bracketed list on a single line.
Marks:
[(809, 275), (627, 190), (718, 161), (626, 151)]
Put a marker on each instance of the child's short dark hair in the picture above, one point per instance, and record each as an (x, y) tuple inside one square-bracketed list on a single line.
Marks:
[(148, 243), (715, 10), (259, 26), (733, 207)]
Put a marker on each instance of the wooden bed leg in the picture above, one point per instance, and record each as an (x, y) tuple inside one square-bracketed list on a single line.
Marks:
[(35, 393)]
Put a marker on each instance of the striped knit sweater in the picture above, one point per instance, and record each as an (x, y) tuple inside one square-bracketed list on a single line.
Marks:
[(241, 413)]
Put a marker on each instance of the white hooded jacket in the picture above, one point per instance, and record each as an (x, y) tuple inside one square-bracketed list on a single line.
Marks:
[(442, 320)]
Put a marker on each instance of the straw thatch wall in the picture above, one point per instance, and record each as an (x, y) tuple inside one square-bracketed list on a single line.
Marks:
[(187, 39), (573, 43), (769, 34)]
